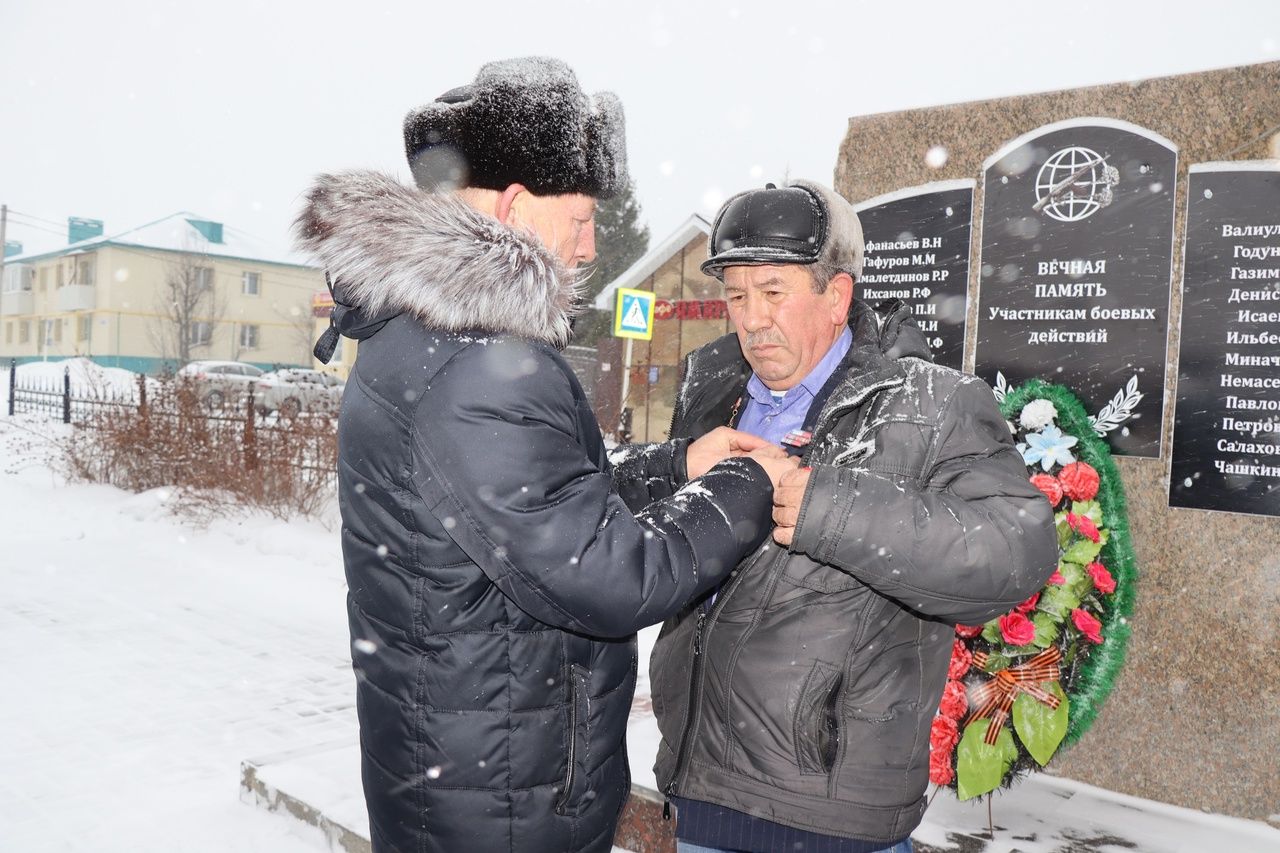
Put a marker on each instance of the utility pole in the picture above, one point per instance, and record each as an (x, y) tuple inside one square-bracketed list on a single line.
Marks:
[(4, 220)]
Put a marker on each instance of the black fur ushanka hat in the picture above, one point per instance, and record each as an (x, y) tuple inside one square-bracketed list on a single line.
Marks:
[(524, 121)]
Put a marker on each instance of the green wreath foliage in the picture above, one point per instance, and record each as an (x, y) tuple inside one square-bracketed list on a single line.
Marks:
[(1096, 676), (1035, 731)]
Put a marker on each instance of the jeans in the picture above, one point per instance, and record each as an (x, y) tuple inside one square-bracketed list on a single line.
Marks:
[(686, 847)]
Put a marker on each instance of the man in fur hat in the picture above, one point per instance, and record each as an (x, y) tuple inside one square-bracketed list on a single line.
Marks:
[(498, 562)]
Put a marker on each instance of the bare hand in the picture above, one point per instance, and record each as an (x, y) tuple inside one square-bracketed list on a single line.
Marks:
[(721, 443), (776, 465), (787, 496)]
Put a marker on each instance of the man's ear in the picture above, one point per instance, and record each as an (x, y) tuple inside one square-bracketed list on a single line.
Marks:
[(507, 201), (840, 289)]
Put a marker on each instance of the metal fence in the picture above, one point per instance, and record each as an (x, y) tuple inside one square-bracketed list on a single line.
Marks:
[(54, 397), (163, 432)]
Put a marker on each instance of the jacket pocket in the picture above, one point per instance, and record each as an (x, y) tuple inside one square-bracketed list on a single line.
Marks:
[(574, 798), (817, 720)]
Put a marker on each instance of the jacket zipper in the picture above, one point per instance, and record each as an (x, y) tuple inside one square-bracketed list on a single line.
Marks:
[(706, 621), (675, 415), (573, 743), (695, 675), (831, 722)]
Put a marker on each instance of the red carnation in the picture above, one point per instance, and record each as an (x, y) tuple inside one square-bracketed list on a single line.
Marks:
[(1079, 481), (1056, 578), (940, 770), (955, 700), (1089, 626), (1048, 484), (1017, 629), (1083, 525), (1101, 577), (968, 632), (961, 660), (1028, 605), (944, 734)]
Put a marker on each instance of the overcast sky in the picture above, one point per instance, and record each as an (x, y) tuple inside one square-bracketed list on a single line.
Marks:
[(129, 111)]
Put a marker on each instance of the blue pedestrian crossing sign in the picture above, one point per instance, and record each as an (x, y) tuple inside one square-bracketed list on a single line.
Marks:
[(633, 314)]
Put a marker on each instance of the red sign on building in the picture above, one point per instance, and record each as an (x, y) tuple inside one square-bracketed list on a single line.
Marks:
[(321, 302), (690, 309)]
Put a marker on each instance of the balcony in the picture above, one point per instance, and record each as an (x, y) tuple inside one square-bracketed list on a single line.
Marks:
[(16, 302), (76, 297)]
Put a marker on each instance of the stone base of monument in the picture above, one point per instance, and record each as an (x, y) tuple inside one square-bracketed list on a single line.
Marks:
[(642, 828), (320, 787)]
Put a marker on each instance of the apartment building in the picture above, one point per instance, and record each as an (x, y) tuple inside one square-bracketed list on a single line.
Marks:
[(112, 298)]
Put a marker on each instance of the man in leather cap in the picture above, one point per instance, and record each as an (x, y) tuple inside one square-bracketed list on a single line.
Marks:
[(795, 702), (498, 561)]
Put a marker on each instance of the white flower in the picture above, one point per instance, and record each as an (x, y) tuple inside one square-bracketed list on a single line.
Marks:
[(1037, 414)]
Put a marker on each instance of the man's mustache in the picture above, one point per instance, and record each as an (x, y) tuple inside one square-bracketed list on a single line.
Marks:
[(764, 336)]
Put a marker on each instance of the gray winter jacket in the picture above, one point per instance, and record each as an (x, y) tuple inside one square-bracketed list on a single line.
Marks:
[(804, 695), (496, 574)]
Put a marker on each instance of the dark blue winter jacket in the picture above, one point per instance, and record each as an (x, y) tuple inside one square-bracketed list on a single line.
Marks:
[(496, 573)]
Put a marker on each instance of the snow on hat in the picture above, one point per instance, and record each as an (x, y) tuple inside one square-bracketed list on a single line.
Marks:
[(523, 121), (802, 223)]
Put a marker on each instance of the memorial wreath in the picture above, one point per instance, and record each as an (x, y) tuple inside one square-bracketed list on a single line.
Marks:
[(1032, 680)]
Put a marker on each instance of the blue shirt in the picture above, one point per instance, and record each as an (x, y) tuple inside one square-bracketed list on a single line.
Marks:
[(772, 417)]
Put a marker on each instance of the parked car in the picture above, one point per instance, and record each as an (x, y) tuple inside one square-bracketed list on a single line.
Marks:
[(220, 383), (291, 390)]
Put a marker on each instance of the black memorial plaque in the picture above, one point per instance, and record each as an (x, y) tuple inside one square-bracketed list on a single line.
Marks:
[(918, 251), (1077, 239), (1226, 432)]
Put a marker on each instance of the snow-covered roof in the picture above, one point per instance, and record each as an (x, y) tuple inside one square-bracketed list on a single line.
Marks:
[(181, 232), (654, 258)]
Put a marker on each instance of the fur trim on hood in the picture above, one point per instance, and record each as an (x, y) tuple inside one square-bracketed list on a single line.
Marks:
[(392, 248)]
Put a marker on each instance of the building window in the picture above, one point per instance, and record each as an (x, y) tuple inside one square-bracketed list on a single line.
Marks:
[(85, 271), (249, 337), (45, 331), (18, 278), (249, 283), (60, 279), (199, 334), (24, 331), (55, 329), (44, 279), (8, 333), (84, 327), (204, 278)]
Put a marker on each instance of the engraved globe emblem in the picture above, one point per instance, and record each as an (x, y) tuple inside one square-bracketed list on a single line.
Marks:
[(1074, 184)]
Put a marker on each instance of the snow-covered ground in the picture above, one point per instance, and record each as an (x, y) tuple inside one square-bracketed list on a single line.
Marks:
[(146, 659)]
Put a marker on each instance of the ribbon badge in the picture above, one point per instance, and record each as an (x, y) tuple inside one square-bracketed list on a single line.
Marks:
[(994, 699)]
